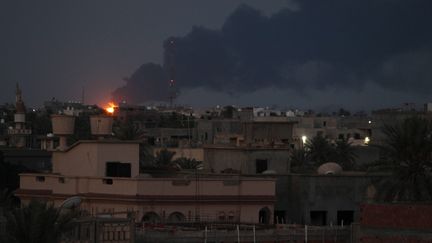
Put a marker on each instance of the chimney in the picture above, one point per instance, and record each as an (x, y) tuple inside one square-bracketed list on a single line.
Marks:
[(101, 125), (63, 126)]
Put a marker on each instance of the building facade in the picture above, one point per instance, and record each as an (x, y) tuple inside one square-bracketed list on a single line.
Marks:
[(104, 173)]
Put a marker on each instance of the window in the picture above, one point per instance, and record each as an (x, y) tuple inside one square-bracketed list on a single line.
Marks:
[(279, 217), (107, 181), (117, 169), (260, 165), (40, 178), (61, 180), (345, 216), (221, 216), (318, 217), (231, 216)]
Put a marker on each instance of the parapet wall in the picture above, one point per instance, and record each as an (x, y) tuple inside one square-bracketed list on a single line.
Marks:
[(396, 223)]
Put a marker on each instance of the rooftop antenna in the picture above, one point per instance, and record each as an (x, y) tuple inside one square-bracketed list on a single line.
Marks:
[(170, 64)]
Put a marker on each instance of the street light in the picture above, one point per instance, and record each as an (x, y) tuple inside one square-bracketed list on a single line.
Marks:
[(304, 139), (366, 140)]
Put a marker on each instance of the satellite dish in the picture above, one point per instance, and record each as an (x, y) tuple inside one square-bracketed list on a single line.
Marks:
[(71, 202), (329, 168)]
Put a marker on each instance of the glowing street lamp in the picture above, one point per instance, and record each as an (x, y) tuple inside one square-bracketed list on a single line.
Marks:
[(366, 140), (304, 139)]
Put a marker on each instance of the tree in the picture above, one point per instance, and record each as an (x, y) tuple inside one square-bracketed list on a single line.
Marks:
[(343, 112), (128, 131), (228, 112), (300, 162), (146, 157), (39, 122), (188, 164), (344, 154), (319, 150), (163, 163), (407, 158), (7, 200), (9, 174), (164, 159), (38, 222)]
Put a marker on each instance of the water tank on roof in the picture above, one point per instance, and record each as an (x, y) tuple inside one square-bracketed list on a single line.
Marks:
[(63, 124), (101, 125)]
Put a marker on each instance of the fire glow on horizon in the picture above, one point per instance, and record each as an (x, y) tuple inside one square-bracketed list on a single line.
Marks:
[(110, 108)]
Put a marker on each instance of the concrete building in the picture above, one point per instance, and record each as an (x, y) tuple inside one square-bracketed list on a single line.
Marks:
[(355, 129), (208, 130), (71, 108), (261, 146), (326, 199), (246, 160), (394, 222), (168, 137), (104, 173), (28, 159), (183, 152)]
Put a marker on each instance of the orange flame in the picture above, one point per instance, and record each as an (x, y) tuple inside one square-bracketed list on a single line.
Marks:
[(110, 108)]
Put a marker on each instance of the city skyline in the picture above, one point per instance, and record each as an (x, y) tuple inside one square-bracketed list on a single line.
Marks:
[(65, 47)]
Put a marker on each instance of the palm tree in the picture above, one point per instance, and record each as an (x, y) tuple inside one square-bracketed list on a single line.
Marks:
[(188, 164), (344, 154), (128, 131), (407, 158), (300, 162), (9, 177), (146, 158), (6, 199), (38, 222), (319, 150), (164, 159)]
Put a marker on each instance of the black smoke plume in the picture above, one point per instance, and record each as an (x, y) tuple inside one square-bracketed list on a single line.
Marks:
[(340, 43)]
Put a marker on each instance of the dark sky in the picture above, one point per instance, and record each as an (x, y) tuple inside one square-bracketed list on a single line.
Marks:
[(306, 53)]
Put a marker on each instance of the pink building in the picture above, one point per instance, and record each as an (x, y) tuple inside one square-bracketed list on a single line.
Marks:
[(105, 174)]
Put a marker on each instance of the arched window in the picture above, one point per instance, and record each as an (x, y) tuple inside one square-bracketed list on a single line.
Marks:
[(176, 217), (264, 215), (151, 217)]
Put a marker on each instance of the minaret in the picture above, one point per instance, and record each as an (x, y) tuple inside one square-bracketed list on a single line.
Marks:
[(19, 133), (19, 117)]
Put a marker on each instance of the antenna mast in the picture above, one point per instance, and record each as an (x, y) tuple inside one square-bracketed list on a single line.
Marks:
[(170, 62)]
